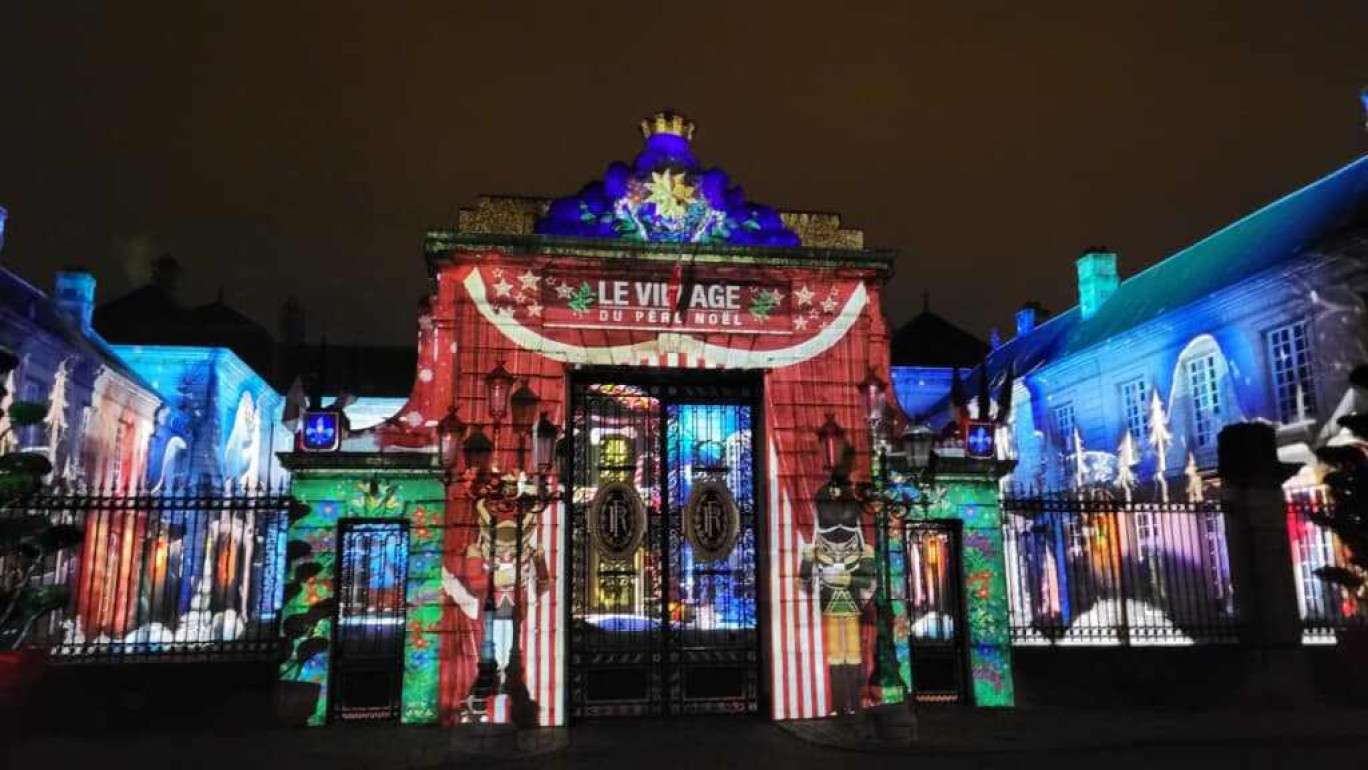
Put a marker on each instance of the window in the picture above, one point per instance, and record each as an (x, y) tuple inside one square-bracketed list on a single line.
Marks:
[(1206, 400), (116, 459), (615, 459), (1289, 358), (1064, 425), (1135, 410)]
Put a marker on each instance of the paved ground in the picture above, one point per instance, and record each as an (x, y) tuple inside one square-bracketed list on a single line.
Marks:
[(949, 739)]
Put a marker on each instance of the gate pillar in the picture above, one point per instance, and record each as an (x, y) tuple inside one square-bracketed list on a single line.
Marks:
[(355, 487), (969, 492)]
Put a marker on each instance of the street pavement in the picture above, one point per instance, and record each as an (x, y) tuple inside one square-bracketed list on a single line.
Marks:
[(959, 738)]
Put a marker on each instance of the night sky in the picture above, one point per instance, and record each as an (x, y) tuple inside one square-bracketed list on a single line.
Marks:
[(294, 149)]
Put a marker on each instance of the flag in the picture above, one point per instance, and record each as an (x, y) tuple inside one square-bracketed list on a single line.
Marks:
[(295, 404)]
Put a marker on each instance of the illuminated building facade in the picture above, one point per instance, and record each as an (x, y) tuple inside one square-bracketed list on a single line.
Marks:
[(101, 413), (1261, 320), (220, 427), (1123, 395), (606, 494)]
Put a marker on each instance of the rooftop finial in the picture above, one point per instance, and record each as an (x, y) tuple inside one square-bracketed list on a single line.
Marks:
[(668, 122)]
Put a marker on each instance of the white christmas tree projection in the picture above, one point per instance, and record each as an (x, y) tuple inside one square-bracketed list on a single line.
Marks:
[(1080, 469), (1194, 480), (1159, 441), (56, 419), (1126, 458)]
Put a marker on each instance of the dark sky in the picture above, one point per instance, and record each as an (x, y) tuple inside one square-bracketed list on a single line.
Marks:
[(304, 148)]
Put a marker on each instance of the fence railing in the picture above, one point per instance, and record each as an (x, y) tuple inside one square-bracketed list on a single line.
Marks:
[(1326, 609), (164, 576), (1107, 572)]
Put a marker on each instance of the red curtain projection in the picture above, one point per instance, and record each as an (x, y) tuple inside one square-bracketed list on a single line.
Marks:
[(814, 332)]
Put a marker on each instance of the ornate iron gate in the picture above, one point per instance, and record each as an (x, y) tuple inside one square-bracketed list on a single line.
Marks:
[(369, 638), (663, 550), (936, 609)]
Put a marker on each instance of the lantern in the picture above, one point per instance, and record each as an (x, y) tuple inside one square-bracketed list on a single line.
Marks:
[(497, 385), (478, 450), (544, 443), (872, 396), (524, 407), (918, 441), (832, 439), (450, 431)]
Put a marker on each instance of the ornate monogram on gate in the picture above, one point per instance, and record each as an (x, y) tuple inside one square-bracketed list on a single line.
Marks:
[(711, 521), (617, 521)]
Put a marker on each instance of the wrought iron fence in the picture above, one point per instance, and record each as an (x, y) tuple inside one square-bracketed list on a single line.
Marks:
[(1107, 572), (1326, 609), (171, 575)]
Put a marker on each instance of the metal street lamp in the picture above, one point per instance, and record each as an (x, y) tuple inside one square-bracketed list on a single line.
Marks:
[(872, 396), (524, 402), (478, 450), (832, 439), (498, 383), (544, 444), (450, 430), (524, 407)]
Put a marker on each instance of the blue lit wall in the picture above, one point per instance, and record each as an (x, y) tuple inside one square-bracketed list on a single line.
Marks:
[(222, 420), (920, 388), (1232, 327)]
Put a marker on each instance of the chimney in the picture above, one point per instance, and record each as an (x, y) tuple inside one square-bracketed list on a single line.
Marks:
[(1097, 280), (74, 292), (1029, 316), (292, 322)]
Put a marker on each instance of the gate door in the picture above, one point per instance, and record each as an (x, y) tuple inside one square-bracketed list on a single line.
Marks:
[(663, 550), (369, 638), (935, 607)]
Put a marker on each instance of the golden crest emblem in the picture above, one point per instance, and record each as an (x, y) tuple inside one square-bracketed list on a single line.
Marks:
[(617, 521), (711, 521)]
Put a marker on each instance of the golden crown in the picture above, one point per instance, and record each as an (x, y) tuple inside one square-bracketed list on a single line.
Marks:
[(667, 122)]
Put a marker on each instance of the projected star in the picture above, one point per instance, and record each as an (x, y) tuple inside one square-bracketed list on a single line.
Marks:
[(529, 281), (669, 193), (502, 288), (803, 294), (534, 310), (800, 322), (564, 291), (828, 305)]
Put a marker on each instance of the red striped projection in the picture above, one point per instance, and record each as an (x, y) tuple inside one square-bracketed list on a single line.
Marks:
[(811, 333)]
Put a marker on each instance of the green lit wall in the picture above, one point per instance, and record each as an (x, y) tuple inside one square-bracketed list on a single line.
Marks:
[(973, 499), (419, 499)]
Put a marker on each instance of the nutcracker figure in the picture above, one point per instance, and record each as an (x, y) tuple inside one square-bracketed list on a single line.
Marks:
[(838, 571), (486, 590)]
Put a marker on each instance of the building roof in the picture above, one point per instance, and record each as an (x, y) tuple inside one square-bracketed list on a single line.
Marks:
[(28, 301), (1274, 235), (929, 340), (150, 315)]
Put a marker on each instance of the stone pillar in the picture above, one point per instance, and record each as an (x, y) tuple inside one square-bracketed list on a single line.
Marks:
[(1261, 564)]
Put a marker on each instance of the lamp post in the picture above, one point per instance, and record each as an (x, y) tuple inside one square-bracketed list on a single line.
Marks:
[(509, 494), (450, 431), (523, 403), (831, 437), (498, 383)]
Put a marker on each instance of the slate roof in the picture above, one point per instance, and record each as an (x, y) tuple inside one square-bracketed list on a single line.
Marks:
[(149, 315), (28, 301), (1274, 235), (929, 340)]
